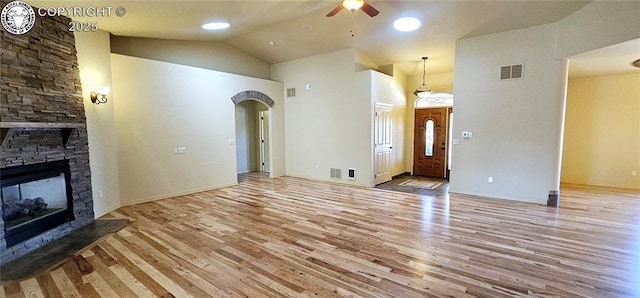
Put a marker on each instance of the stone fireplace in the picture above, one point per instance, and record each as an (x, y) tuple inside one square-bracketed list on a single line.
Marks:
[(44, 152)]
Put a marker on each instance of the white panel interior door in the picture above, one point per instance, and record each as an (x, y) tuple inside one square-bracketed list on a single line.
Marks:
[(382, 142)]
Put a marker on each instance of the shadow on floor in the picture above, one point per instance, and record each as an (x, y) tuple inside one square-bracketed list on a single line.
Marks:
[(420, 185)]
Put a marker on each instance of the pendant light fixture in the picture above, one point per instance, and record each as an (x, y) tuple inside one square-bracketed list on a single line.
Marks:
[(423, 91)]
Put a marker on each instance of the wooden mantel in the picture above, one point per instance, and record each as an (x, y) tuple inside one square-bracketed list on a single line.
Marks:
[(6, 128)]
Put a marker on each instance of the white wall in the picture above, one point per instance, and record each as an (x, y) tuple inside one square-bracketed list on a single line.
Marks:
[(516, 124), (159, 106), (328, 126), (212, 55), (602, 131), (95, 70)]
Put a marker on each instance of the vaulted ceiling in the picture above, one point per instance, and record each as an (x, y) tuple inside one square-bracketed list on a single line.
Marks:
[(299, 28)]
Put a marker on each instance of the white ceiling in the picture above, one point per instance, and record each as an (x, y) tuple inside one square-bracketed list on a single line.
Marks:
[(255, 23)]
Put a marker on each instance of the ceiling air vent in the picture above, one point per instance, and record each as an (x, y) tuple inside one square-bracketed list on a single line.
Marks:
[(291, 92), (511, 72)]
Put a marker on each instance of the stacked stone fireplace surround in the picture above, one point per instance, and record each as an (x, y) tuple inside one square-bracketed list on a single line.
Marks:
[(42, 117)]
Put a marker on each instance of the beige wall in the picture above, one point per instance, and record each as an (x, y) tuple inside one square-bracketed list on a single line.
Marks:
[(516, 124), (159, 106), (599, 24), (212, 55), (328, 126), (602, 131), (441, 82), (245, 136), (390, 90), (95, 70), (248, 135)]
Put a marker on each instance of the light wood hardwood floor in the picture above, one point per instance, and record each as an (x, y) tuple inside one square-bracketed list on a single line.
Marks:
[(300, 238)]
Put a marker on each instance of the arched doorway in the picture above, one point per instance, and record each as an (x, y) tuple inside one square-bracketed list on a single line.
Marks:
[(252, 121)]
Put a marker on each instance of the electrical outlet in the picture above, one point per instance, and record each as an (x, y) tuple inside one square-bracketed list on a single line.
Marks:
[(490, 180), (634, 173)]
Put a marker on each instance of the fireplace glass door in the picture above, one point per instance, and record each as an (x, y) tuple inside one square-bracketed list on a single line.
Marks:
[(35, 198), (25, 202)]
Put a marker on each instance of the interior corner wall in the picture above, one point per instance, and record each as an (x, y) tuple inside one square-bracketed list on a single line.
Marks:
[(516, 124), (211, 55), (94, 61), (602, 131), (328, 126), (160, 106), (390, 90)]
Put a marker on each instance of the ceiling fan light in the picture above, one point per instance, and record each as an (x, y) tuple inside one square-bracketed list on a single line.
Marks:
[(352, 5)]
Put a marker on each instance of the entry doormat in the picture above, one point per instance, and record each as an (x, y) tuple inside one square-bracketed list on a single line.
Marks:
[(421, 184)]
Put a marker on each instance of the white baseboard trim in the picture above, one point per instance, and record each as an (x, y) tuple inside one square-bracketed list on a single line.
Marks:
[(99, 213), (175, 194)]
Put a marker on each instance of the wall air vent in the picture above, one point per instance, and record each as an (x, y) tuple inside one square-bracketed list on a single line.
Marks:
[(291, 92), (512, 72), (336, 173)]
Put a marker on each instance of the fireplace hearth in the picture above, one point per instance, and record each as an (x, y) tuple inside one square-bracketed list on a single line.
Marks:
[(35, 198)]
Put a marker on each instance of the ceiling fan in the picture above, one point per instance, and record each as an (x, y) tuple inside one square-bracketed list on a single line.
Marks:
[(354, 5)]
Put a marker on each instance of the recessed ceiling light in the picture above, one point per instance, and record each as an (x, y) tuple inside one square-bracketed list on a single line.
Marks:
[(215, 26), (407, 24)]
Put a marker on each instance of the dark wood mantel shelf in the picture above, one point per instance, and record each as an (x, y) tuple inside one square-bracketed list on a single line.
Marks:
[(6, 128)]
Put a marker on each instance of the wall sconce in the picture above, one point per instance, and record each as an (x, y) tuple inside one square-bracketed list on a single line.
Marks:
[(100, 95)]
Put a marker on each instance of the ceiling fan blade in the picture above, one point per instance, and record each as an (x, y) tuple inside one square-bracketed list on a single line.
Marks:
[(370, 10), (335, 10)]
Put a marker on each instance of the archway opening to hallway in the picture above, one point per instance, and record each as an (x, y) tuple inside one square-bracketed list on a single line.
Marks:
[(252, 137), (254, 127)]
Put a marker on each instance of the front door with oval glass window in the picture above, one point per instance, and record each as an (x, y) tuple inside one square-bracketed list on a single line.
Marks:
[(430, 143)]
